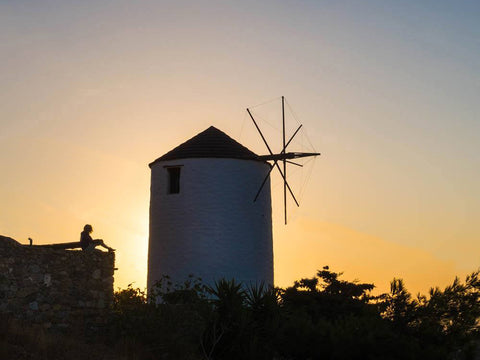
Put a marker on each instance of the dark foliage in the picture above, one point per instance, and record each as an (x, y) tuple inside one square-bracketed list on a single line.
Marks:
[(323, 317)]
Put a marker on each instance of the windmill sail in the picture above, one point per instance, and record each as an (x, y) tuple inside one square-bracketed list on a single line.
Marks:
[(282, 156)]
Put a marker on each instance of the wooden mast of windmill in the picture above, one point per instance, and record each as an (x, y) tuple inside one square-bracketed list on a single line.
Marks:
[(283, 156)]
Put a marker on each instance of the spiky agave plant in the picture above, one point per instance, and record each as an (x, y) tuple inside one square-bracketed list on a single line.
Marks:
[(228, 298)]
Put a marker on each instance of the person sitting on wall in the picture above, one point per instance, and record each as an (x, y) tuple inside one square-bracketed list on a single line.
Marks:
[(86, 241)]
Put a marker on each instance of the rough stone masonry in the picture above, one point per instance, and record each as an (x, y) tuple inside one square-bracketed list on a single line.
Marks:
[(55, 287)]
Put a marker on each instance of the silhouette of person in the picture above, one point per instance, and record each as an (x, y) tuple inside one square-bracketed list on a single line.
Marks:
[(86, 241)]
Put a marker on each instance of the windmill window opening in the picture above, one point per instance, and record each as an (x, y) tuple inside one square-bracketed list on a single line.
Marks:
[(173, 180)]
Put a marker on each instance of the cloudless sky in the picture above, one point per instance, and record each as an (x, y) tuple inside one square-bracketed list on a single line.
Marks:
[(388, 92)]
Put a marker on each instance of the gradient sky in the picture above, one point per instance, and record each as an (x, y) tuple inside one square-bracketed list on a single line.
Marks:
[(388, 92)]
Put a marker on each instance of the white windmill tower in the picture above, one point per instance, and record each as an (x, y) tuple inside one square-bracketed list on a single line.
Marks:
[(210, 210)]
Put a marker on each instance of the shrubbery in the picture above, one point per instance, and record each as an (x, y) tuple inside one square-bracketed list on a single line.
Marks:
[(319, 318)]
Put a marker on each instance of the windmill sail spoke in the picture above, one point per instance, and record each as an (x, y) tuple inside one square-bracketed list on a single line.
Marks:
[(291, 138), (284, 163), (293, 163), (260, 132), (286, 183), (263, 183), (297, 155)]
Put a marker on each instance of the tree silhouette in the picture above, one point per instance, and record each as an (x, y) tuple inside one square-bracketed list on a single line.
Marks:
[(323, 317)]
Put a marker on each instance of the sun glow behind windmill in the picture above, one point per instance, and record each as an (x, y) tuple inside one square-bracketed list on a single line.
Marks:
[(284, 157)]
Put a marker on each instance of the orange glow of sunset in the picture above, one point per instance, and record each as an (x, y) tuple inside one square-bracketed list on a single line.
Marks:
[(387, 92)]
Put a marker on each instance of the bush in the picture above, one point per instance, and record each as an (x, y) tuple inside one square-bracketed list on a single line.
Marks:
[(323, 317)]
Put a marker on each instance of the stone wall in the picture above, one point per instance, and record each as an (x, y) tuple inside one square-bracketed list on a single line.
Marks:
[(55, 287)]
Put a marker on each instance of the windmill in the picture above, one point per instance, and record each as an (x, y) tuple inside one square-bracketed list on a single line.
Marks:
[(202, 217), (283, 156)]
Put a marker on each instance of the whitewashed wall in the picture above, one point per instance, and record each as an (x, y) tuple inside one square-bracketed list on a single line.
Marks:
[(212, 228)]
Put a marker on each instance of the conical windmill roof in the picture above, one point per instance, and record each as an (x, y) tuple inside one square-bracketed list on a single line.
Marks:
[(211, 143)]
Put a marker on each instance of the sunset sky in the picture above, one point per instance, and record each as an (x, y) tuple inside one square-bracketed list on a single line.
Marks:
[(387, 91)]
